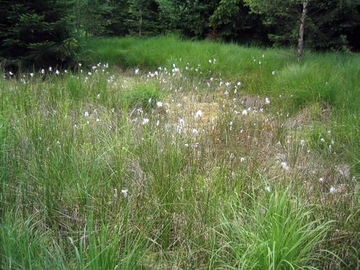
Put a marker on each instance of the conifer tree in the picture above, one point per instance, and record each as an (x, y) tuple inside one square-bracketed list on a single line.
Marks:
[(117, 18), (143, 17), (320, 24), (92, 17), (189, 18), (233, 21), (36, 33)]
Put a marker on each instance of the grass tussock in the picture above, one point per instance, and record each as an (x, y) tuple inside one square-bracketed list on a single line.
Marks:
[(277, 233), (199, 155)]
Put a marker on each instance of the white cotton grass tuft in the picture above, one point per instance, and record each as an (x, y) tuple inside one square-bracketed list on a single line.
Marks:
[(198, 114), (145, 121), (302, 143), (180, 126), (124, 192), (285, 166)]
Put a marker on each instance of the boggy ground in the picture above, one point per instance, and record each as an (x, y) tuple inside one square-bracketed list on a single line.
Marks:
[(106, 169)]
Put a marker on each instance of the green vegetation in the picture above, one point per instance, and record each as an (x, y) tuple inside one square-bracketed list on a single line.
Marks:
[(275, 233), (48, 32), (35, 34), (181, 155)]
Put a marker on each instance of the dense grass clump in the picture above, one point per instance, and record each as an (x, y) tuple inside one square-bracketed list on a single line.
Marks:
[(181, 155), (277, 233), (142, 95)]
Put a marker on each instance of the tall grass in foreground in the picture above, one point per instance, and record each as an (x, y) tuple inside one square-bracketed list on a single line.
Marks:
[(177, 167), (274, 233)]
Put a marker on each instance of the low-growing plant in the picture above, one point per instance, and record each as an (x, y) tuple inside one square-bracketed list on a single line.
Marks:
[(141, 95), (277, 232)]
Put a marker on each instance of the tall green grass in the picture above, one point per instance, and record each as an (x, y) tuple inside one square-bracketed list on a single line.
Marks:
[(275, 233), (231, 61), (184, 166), (330, 79)]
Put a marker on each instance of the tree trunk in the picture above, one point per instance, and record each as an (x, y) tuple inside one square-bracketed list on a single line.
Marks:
[(140, 23), (301, 31)]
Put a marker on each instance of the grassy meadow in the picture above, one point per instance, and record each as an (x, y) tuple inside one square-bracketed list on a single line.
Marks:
[(168, 154)]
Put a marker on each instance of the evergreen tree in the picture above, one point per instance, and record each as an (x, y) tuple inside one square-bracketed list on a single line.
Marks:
[(280, 17), (143, 18), (232, 21), (224, 20), (332, 25), (329, 24), (117, 18), (36, 33), (92, 17), (189, 18)]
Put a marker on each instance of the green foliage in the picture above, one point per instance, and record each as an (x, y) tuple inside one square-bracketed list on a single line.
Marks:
[(277, 233), (38, 34), (327, 25), (318, 81), (5, 142), (108, 248), (24, 246), (46, 33), (89, 183), (331, 25), (91, 17), (280, 17), (141, 95), (163, 51), (143, 18), (189, 18), (117, 18), (233, 21)]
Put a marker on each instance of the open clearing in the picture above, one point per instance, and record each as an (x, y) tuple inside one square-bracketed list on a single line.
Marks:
[(171, 169)]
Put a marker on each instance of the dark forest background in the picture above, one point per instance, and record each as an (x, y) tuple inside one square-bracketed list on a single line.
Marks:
[(50, 32)]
